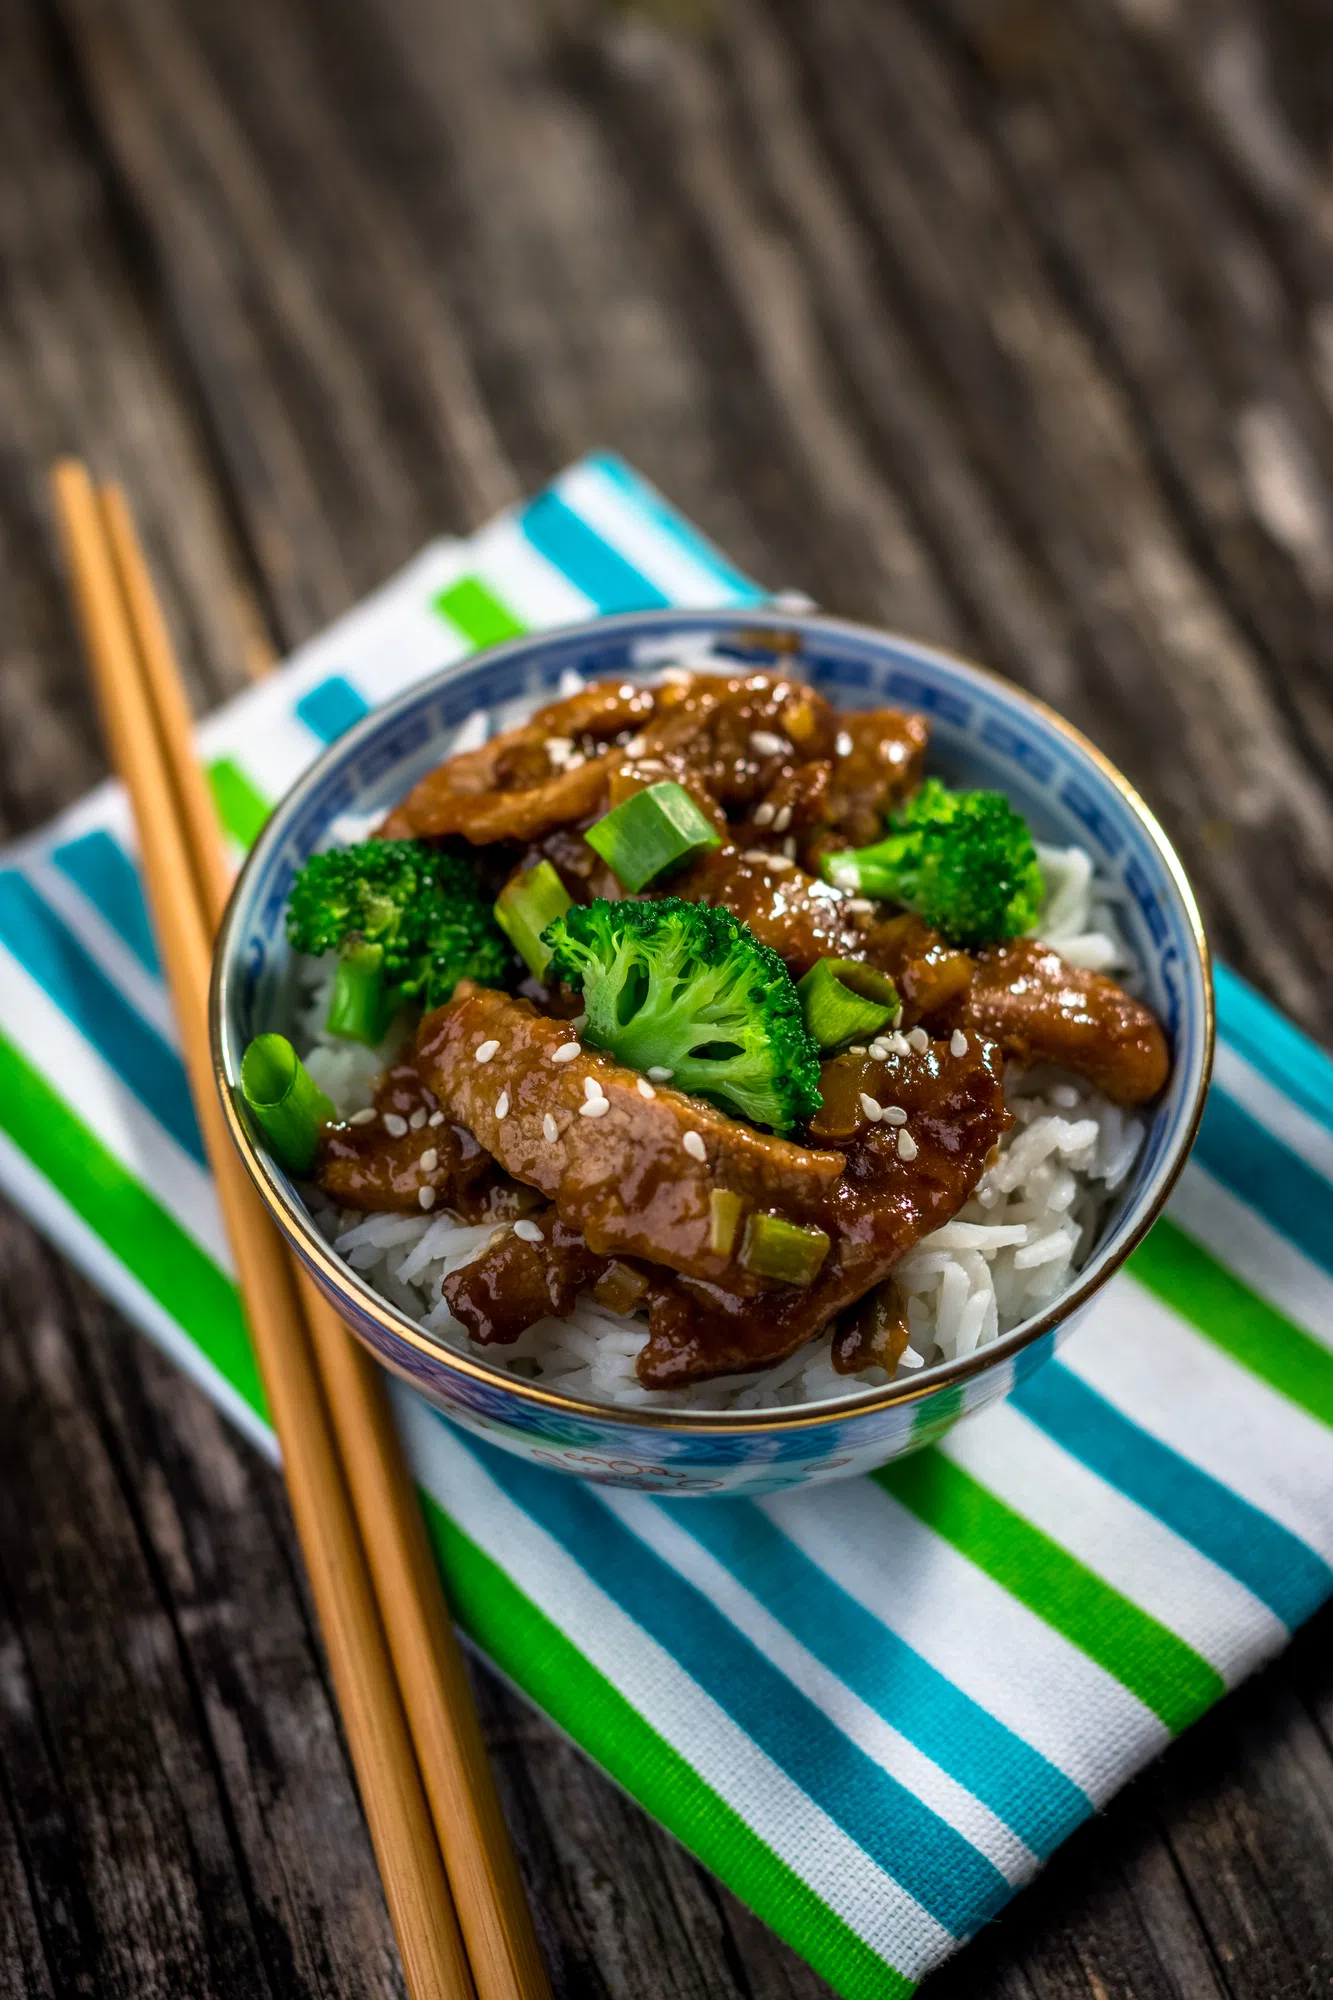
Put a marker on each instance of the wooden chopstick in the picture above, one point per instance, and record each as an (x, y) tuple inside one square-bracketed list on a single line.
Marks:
[(474, 1840), (434, 1960)]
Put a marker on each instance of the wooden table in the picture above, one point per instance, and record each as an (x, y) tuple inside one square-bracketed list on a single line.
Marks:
[(1006, 322)]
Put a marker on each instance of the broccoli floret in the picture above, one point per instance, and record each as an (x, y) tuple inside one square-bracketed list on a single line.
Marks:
[(962, 860), (407, 921), (691, 990)]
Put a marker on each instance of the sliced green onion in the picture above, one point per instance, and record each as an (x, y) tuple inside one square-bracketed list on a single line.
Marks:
[(844, 1001), (360, 1006), (724, 1214), (772, 1247), (525, 906), (649, 831), (286, 1103)]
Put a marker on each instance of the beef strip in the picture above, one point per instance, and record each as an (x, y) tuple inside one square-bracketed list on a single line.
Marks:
[(516, 1282), (880, 1207), (1039, 1009), (365, 1166), (878, 762), (928, 971), (738, 734), (1020, 995), (519, 785), (624, 1178), (802, 919)]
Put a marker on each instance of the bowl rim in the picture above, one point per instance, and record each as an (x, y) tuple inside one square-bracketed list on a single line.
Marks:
[(296, 1223)]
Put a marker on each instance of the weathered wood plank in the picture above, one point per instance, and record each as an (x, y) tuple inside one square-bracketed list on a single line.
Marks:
[(1000, 321)]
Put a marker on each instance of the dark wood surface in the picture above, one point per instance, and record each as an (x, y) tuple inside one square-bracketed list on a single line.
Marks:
[(1006, 322)]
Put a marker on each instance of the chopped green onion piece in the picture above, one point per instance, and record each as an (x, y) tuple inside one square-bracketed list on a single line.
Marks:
[(724, 1214), (360, 1008), (649, 831), (525, 906), (775, 1248), (844, 1001), (286, 1103)]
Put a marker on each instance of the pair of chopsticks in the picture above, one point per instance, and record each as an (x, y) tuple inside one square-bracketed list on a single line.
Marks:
[(450, 1879)]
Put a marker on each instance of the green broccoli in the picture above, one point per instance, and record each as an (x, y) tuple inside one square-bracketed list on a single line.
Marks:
[(962, 860), (407, 921), (689, 991)]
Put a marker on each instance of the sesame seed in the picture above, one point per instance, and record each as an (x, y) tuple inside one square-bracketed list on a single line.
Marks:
[(765, 744), (694, 1146), (873, 1109), (659, 1074), (485, 1050), (426, 1196), (782, 819), (636, 746), (579, 1023), (366, 1117), (436, 1118), (909, 1358), (843, 744), (502, 1105), (566, 1052), (550, 1130), (857, 1050), (592, 1089), (907, 1148), (559, 747), (417, 1120), (789, 847), (576, 762), (918, 1039), (528, 1232), (595, 1107), (644, 1088), (958, 1043), (779, 862), (395, 1126), (764, 815), (879, 1051), (429, 1160), (894, 1114), (860, 906), (898, 1043)]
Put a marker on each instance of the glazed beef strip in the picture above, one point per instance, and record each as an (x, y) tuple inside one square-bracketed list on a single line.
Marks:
[(880, 1207), (801, 919), (386, 1165), (1039, 1009), (1020, 995), (515, 1281), (520, 785), (623, 1178)]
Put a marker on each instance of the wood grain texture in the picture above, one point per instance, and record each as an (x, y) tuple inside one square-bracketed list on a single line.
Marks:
[(1006, 321)]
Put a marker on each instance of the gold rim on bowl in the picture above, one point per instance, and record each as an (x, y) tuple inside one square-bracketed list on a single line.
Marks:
[(298, 1225)]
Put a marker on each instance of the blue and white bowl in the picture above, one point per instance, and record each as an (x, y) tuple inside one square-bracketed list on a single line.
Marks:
[(983, 732)]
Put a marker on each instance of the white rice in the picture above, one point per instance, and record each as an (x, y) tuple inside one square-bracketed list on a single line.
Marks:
[(1012, 1248)]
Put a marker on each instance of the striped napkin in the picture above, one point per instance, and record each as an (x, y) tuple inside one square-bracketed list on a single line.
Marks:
[(872, 1708)]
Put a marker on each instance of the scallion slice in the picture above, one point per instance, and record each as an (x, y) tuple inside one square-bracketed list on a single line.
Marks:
[(286, 1103), (525, 906), (845, 1001), (724, 1213), (773, 1247), (650, 831)]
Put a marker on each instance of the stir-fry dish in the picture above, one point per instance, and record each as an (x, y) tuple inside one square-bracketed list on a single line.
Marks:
[(692, 1017)]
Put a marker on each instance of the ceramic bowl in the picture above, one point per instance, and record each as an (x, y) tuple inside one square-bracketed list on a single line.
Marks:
[(984, 732)]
